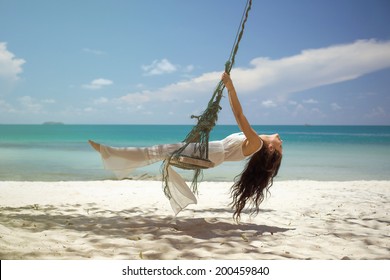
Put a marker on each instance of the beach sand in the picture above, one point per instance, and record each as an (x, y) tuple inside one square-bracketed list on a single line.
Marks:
[(132, 219)]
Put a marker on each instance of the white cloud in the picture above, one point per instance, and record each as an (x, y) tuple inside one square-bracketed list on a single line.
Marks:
[(97, 84), (318, 113), (181, 91), (159, 67), (292, 102), (310, 101), (89, 109), (100, 100), (30, 104), (27, 105), (268, 104), (313, 68), (49, 101), (6, 107), (279, 78), (272, 81), (136, 98), (377, 112), (298, 110), (335, 106), (93, 51), (10, 66), (189, 68)]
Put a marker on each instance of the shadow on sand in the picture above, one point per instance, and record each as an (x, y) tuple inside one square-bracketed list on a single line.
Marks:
[(97, 226)]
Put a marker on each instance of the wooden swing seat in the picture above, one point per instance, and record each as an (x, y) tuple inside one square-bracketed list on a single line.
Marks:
[(186, 162)]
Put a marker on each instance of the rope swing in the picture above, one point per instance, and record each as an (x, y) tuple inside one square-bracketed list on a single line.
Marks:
[(199, 135)]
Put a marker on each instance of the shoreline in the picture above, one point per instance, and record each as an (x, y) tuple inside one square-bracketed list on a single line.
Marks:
[(132, 219)]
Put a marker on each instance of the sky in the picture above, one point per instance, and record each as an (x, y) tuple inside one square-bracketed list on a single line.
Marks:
[(158, 62)]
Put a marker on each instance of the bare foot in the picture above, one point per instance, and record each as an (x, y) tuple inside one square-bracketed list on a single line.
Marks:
[(94, 145)]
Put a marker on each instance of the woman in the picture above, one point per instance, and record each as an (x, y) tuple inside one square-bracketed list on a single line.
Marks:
[(263, 152)]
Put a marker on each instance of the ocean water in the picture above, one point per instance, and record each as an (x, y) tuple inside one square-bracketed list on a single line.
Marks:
[(61, 152)]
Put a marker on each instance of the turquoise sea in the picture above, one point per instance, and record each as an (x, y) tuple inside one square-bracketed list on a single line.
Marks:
[(61, 152)]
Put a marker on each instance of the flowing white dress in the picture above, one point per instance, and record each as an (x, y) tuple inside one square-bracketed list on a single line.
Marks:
[(123, 160)]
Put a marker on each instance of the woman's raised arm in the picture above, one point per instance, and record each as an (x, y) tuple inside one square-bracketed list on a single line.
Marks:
[(253, 142)]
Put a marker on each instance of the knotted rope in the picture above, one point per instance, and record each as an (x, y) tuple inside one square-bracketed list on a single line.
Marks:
[(199, 135)]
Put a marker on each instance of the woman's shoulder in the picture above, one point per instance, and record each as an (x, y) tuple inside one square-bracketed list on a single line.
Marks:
[(239, 140)]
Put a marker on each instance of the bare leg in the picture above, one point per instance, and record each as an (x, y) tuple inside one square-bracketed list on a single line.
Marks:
[(94, 145)]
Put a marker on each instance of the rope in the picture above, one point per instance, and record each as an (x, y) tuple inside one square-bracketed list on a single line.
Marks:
[(206, 122), (239, 33)]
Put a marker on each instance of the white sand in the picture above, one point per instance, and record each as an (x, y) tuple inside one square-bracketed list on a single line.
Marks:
[(133, 220)]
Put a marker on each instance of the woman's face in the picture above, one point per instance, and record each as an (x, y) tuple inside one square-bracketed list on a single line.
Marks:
[(275, 141)]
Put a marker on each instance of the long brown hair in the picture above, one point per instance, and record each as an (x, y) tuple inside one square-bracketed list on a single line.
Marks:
[(251, 186)]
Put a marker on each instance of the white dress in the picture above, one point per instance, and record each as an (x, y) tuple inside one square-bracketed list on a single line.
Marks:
[(123, 160)]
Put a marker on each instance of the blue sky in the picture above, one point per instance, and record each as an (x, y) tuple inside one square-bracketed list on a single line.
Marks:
[(158, 62)]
